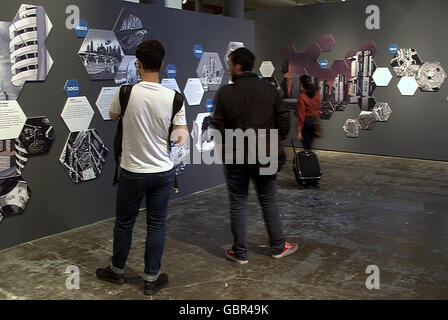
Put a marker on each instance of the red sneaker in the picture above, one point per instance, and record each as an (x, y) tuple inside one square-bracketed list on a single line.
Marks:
[(290, 248), (232, 257)]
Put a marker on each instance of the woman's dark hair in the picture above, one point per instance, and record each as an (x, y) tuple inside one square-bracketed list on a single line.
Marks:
[(307, 84), (244, 57), (151, 54)]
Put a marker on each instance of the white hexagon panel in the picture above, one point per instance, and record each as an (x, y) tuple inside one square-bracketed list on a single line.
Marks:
[(84, 155), (101, 54), (232, 46), (104, 100), (194, 91), (382, 77), (407, 86), (12, 119), (77, 114), (28, 54), (210, 71), (170, 83), (267, 69)]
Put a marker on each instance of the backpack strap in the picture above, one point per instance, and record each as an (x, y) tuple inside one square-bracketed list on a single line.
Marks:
[(124, 95)]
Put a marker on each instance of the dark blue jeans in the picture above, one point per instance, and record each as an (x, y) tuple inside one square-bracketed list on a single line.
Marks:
[(237, 178), (308, 134), (132, 188)]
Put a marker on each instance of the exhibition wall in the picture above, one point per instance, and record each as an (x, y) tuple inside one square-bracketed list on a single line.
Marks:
[(61, 197), (416, 128)]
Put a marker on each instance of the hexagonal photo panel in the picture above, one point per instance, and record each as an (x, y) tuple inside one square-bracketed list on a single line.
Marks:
[(361, 83), (367, 120), (12, 119), (131, 30), (104, 99), (202, 139), (77, 114), (382, 77), (430, 76), (267, 69), (407, 86), (101, 54), (352, 128), (127, 73), (13, 158), (29, 56), (14, 196), (37, 135), (382, 111), (406, 62), (8, 90), (194, 91), (232, 46), (84, 155), (210, 71), (180, 155)]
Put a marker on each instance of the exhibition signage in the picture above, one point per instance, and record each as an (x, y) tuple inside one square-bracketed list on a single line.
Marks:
[(170, 84), (104, 100), (171, 71), (198, 51), (324, 64), (393, 49), (12, 119), (81, 28), (77, 114), (194, 91), (209, 105), (72, 88)]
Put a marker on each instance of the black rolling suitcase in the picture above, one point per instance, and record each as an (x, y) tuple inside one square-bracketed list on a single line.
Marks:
[(306, 167)]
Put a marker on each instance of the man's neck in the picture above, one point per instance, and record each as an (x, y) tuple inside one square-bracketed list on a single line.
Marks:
[(150, 77)]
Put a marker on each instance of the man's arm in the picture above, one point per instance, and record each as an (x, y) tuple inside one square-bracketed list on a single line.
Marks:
[(180, 134), (218, 117)]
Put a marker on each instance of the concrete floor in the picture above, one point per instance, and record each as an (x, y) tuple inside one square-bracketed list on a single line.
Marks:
[(370, 210)]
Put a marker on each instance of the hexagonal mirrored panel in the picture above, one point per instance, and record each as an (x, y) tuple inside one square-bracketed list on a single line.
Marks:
[(170, 84), (37, 135), (232, 46), (127, 73), (12, 119), (77, 114), (326, 42), (407, 86), (13, 158), (210, 71), (29, 56), (267, 69), (382, 111), (104, 99), (202, 138), (382, 77), (14, 196), (352, 128), (84, 155), (130, 30), (194, 91), (8, 90), (101, 54), (406, 62), (367, 120), (430, 76)]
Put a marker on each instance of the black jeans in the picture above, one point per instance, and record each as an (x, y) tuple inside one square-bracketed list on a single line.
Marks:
[(132, 188), (308, 134), (237, 178)]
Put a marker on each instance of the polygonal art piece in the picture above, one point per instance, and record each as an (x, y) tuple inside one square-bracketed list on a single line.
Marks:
[(84, 155), (352, 128), (232, 46), (130, 31), (28, 54), (382, 111), (406, 62), (382, 77), (210, 71), (104, 99), (12, 119), (8, 90), (407, 86), (127, 73), (430, 76), (77, 114), (180, 155), (326, 42), (362, 85), (194, 91), (14, 196), (37, 135), (13, 158), (101, 54), (367, 120), (267, 69), (202, 138)]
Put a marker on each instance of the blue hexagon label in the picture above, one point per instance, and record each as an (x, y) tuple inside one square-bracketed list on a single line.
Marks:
[(197, 50), (393, 49), (72, 88), (81, 28), (260, 76), (209, 105), (171, 71), (324, 63)]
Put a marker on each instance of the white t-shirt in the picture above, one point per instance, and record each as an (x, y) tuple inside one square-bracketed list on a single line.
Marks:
[(146, 123)]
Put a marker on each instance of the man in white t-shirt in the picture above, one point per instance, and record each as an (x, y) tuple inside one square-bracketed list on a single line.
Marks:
[(146, 168)]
